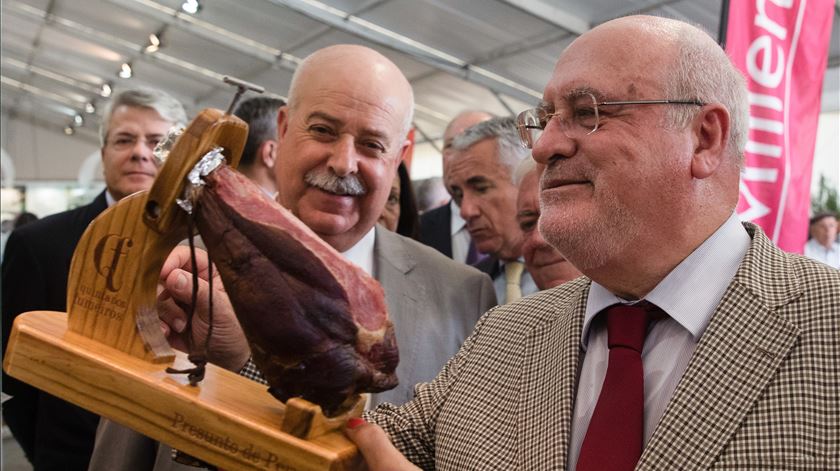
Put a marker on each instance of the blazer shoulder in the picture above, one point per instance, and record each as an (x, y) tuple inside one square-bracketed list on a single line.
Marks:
[(542, 308)]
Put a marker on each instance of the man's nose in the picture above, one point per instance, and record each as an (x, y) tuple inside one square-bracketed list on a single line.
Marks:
[(141, 151), (553, 143), (469, 207), (344, 160)]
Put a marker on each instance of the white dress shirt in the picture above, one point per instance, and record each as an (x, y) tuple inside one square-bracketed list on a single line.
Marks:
[(362, 253), (830, 256), (458, 232), (689, 296)]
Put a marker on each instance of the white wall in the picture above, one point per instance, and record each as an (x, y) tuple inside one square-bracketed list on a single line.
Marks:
[(41, 153)]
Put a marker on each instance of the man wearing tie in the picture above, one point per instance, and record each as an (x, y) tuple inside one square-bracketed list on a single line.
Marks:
[(691, 343), (481, 183), (443, 228)]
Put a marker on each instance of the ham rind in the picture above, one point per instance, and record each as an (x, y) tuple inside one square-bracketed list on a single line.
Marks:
[(317, 324)]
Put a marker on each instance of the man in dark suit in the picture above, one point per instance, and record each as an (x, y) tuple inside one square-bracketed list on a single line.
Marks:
[(260, 152), (443, 228), (691, 343), (55, 434)]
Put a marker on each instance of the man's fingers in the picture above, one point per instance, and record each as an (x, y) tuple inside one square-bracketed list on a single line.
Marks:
[(379, 453), (180, 258)]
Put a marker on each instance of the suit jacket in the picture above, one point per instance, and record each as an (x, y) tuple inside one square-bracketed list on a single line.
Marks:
[(436, 229), (761, 390), (53, 433), (433, 302)]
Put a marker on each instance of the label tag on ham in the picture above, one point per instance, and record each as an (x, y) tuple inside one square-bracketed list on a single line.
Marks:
[(316, 323)]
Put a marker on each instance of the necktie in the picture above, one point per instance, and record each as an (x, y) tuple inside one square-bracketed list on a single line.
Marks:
[(513, 275), (472, 254), (613, 440)]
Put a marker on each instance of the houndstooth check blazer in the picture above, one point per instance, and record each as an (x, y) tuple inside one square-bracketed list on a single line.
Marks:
[(762, 390)]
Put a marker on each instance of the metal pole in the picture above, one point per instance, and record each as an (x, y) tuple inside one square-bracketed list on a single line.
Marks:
[(724, 23)]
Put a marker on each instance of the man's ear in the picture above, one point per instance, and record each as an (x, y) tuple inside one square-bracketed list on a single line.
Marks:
[(407, 145), (282, 121), (711, 129), (268, 153)]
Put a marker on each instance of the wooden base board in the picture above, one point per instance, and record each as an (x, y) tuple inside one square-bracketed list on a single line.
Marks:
[(227, 420)]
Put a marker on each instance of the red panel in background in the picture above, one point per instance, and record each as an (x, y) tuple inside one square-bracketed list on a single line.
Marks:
[(781, 46)]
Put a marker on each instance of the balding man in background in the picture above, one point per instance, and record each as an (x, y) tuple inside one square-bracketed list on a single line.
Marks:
[(341, 137), (547, 266), (260, 152), (692, 343), (443, 228), (55, 434)]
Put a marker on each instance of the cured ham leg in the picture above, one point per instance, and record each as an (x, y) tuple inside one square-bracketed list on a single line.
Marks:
[(317, 324)]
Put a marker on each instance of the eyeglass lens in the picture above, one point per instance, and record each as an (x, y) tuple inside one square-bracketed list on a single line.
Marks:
[(576, 118)]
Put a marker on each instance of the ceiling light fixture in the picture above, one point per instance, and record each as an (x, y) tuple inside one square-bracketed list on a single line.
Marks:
[(78, 120), (191, 6), (106, 90), (125, 71), (154, 43), (68, 130), (90, 108)]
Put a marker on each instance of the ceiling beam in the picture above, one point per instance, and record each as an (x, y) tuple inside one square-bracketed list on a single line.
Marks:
[(211, 32), (428, 55), (551, 14)]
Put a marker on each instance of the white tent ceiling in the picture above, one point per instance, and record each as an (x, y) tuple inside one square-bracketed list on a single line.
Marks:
[(459, 54)]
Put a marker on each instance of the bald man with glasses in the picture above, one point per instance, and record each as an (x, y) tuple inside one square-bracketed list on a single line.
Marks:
[(692, 342)]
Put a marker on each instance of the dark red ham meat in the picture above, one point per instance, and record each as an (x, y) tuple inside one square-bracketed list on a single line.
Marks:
[(317, 324)]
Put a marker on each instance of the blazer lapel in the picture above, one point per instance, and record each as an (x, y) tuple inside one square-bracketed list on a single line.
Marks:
[(548, 387), (740, 351), (392, 265)]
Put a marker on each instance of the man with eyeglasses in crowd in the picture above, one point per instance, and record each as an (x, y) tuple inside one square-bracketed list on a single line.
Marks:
[(55, 434), (691, 343)]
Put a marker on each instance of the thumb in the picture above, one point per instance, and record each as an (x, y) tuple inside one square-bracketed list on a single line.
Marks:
[(179, 285), (373, 443)]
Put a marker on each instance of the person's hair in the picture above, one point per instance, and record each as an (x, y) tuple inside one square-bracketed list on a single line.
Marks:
[(704, 72), (260, 113), (820, 216), (409, 222), (24, 218), (167, 107), (511, 151), (525, 167)]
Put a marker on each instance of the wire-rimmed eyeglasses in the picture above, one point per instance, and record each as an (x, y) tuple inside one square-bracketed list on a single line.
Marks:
[(578, 118)]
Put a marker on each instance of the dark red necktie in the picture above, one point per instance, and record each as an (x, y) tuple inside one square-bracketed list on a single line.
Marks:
[(613, 440)]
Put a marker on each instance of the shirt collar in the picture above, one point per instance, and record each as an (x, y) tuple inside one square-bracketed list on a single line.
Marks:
[(109, 198), (456, 222), (690, 293), (362, 253)]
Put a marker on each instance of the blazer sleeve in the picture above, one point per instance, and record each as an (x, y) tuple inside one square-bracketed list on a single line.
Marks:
[(411, 426), (24, 289)]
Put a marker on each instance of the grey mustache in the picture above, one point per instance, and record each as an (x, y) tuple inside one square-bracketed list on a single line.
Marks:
[(350, 185)]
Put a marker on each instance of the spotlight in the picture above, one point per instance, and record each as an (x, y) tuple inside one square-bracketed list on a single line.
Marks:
[(78, 120), (68, 130), (191, 6), (90, 108), (105, 91), (125, 70), (154, 43)]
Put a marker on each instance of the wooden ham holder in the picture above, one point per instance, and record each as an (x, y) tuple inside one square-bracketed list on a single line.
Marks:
[(108, 354)]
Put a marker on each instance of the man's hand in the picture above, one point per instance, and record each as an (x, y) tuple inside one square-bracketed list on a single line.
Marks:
[(228, 347), (379, 453)]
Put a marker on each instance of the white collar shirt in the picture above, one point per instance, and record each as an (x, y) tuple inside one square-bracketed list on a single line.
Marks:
[(689, 295), (828, 255), (459, 234)]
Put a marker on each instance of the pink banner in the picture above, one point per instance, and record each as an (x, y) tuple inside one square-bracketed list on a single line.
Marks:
[(781, 46)]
